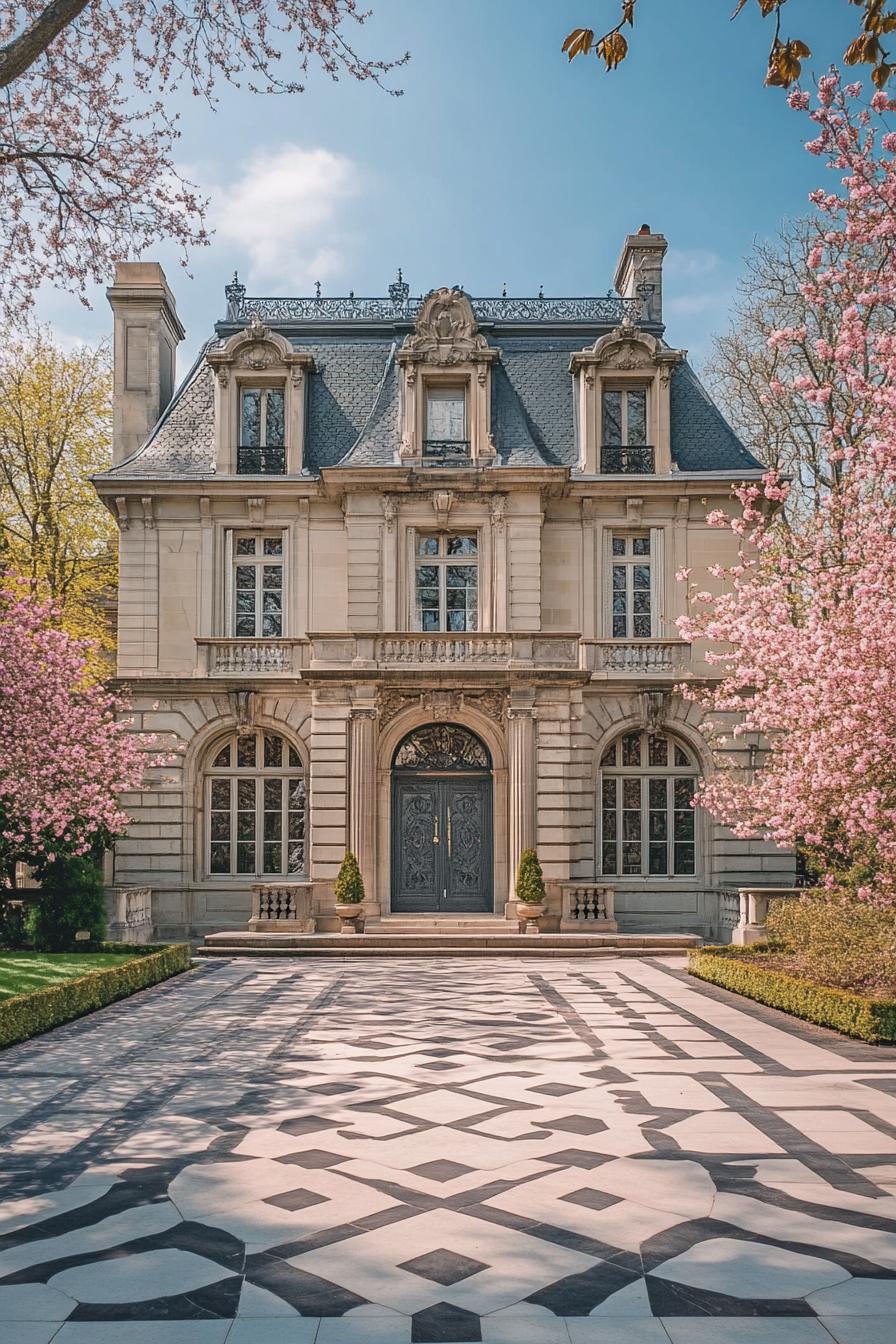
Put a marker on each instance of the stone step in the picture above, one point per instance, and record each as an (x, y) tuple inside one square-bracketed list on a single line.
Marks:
[(428, 944)]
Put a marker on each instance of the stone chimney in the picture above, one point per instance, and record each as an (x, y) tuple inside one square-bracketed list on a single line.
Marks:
[(147, 331), (641, 263)]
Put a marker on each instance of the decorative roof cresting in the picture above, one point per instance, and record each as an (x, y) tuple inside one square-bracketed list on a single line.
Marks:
[(400, 306)]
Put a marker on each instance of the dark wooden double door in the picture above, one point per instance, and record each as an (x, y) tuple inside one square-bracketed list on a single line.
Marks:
[(442, 843)]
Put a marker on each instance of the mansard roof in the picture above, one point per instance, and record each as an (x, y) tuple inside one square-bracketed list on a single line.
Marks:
[(354, 388)]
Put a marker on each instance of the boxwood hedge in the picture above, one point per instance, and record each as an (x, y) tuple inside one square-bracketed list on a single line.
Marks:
[(737, 969), (27, 1015)]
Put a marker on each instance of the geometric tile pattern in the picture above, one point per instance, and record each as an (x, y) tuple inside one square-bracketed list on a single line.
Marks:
[(539, 1152)]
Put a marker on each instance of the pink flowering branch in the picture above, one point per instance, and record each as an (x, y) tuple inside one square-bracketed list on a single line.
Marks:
[(87, 143), (67, 749), (805, 633)]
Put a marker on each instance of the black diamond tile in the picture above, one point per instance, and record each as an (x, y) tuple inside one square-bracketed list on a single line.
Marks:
[(439, 1054), (441, 1170), (556, 1089), (312, 1157), (296, 1199), (576, 1124), (331, 1089), (576, 1157), (589, 1199), (440, 1066), (443, 1266), (445, 1324), (305, 1124)]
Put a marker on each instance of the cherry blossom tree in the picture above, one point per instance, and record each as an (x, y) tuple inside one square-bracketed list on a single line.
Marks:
[(87, 134), (67, 749), (806, 631)]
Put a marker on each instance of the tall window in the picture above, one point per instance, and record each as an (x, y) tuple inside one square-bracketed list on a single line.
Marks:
[(447, 582), (631, 614), (258, 585), (647, 822), (446, 422), (262, 444), (255, 807), (624, 431)]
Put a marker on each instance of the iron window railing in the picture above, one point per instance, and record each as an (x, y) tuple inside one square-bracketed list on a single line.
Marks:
[(447, 450), (631, 461), (260, 461)]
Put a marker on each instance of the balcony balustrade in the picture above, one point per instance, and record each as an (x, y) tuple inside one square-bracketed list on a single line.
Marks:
[(260, 461), (471, 649), (252, 657), (638, 657), (412, 650), (630, 461)]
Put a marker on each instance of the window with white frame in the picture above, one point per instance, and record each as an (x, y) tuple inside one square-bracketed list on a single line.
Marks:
[(262, 442), (631, 614), (258, 585), (648, 824), (255, 807), (446, 582)]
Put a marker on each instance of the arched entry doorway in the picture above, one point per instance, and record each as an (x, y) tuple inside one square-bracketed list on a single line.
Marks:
[(442, 822)]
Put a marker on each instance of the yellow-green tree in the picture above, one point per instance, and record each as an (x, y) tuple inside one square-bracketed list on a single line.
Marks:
[(55, 432)]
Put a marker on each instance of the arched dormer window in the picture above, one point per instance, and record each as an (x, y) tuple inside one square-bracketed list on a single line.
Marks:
[(259, 402), (622, 386), (446, 385), (647, 822), (254, 798)]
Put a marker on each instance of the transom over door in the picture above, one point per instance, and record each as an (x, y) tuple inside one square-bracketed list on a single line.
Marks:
[(442, 823)]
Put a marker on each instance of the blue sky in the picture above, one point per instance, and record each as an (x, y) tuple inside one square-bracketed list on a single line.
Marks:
[(502, 162)]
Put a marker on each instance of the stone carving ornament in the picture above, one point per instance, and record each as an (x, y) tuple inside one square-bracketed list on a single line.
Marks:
[(440, 705), (446, 332)]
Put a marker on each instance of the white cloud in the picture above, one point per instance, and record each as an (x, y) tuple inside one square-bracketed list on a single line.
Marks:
[(287, 213), (688, 262)]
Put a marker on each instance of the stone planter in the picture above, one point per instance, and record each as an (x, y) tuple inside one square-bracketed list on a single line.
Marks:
[(349, 913), (530, 912)]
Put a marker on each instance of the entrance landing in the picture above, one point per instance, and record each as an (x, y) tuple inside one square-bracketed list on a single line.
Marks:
[(464, 936)]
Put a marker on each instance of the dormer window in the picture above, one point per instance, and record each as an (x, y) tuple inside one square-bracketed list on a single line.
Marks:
[(624, 447), (260, 386), (446, 433), (262, 446), (445, 369)]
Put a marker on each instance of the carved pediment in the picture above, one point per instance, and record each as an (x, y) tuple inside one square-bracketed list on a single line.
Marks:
[(259, 348), (627, 348), (446, 332)]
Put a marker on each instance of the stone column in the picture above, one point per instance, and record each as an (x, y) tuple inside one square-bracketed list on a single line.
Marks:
[(521, 784), (362, 795)]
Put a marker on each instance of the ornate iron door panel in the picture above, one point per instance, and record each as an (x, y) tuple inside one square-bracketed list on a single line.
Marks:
[(416, 844), (441, 844), (468, 845)]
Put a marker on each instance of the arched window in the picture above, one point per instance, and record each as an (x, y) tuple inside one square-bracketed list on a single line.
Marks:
[(647, 821), (255, 807)]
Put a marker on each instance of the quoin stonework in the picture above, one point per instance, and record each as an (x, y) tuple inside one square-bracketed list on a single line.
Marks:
[(400, 574)]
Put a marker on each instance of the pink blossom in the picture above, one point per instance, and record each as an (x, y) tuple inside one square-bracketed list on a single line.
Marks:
[(805, 630), (66, 751)]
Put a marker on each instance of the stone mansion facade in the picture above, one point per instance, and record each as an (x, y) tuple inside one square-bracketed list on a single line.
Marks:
[(399, 574)]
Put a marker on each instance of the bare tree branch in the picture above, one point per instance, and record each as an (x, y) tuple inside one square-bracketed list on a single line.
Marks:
[(20, 54)]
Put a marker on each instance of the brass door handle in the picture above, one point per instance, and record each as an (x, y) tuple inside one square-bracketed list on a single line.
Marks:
[(449, 832), (435, 828)]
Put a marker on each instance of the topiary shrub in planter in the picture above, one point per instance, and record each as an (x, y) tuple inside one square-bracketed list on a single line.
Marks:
[(349, 893), (72, 899), (530, 892)]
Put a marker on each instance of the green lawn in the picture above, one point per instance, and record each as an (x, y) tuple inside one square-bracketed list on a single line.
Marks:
[(21, 972)]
